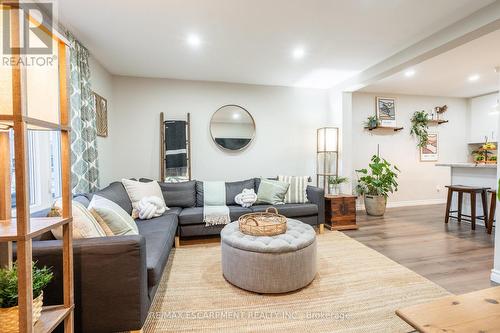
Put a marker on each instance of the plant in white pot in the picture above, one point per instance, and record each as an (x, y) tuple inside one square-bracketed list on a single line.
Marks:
[(335, 183), (376, 183), (9, 311)]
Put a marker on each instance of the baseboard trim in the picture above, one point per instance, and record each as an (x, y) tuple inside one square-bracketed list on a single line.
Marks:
[(408, 203), (495, 276)]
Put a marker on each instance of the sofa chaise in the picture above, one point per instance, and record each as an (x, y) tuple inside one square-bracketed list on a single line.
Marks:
[(117, 277)]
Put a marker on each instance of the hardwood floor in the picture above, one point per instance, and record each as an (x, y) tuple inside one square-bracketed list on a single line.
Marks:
[(453, 256)]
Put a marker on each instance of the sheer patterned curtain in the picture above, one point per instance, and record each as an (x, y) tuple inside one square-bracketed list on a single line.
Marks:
[(84, 166)]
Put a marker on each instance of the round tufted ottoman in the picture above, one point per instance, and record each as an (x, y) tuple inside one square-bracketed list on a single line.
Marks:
[(274, 264)]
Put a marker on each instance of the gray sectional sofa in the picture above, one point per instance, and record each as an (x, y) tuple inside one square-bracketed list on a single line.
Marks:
[(117, 277)]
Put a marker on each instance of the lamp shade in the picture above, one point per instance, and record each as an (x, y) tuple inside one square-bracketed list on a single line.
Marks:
[(39, 73), (328, 139)]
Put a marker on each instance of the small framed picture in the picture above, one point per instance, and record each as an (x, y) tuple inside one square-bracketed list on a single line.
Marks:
[(430, 152), (386, 111)]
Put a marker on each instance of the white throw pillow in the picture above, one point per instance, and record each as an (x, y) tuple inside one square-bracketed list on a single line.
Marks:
[(84, 224), (297, 191), (138, 190), (117, 219)]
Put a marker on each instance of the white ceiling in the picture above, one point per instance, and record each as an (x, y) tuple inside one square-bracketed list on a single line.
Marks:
[(447, 74), (250, 41)]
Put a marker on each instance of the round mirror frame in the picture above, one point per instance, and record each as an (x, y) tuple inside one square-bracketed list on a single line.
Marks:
[(227, 149)]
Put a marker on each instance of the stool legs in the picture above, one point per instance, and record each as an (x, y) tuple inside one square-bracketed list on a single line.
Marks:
[(448, 205), (460, 199), (484, 202), (473, 210), (493, 206)]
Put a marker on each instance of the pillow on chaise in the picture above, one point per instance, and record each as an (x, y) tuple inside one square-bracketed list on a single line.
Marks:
[(138, 190), (116, 218), (272, 192), (297, 192), (84, 224)]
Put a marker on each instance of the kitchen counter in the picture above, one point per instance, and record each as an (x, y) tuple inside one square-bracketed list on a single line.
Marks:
[(471, 174), (468, 165)]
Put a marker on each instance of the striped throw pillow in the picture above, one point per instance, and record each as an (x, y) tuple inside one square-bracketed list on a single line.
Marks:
[(297, 189)]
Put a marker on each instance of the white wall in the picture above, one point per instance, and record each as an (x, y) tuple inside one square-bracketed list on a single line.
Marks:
[(101, 82), (483, 118), (419, 181), (285, 141)]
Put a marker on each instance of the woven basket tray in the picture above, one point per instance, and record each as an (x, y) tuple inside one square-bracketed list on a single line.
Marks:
[(263, 224), (9, 317)]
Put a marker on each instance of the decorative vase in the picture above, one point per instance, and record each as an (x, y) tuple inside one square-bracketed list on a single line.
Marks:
[(9, 317), (334, 189), (375, 204)]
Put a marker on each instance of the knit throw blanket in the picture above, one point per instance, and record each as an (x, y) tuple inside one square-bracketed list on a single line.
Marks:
[(215, 210)]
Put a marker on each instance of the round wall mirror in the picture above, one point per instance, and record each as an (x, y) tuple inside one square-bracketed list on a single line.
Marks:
[(232, 127)]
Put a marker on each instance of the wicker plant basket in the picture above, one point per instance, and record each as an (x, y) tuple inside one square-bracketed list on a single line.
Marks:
[(263, 224), (9, 317)]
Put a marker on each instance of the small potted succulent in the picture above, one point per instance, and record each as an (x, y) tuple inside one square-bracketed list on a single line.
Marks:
[(9, 311), (372, 122), (376, 183), (335, 183)]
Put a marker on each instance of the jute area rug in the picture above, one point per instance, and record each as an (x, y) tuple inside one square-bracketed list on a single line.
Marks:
[(356, 290)]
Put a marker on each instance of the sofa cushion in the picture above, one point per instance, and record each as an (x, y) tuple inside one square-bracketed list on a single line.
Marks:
[(117, 219), (181, 194), (272, 191), (257, 182), (116, 193), (290, 210), (194, 215), (159, 233), (137, 191), (232, 189)]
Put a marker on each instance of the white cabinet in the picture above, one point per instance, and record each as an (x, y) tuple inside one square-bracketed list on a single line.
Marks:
[(484, 118)]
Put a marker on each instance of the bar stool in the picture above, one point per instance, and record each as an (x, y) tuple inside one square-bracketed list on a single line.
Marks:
[(493, 207), (472, 191)]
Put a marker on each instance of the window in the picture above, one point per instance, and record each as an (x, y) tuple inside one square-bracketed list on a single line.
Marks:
[(43, 169)]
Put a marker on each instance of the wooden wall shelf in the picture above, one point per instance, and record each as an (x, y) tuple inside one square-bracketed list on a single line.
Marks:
[(437, 122), (387, 128)]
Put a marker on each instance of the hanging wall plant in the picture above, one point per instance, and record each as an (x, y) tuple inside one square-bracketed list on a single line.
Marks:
[(419, 127)]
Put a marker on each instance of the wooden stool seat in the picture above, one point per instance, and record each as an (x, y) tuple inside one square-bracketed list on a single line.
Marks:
[(468, 189), (472, 191)]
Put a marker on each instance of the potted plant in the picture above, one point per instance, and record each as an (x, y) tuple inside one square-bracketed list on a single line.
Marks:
[(479, 159), (9, 312), (376, 183), (334, 183), (420, 127), (372, 122)]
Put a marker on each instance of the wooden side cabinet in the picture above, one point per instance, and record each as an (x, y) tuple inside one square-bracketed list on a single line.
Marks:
[(340, 212)]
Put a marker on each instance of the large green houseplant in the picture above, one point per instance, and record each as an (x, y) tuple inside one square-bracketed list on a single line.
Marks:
[(375, 184), (9, 295)]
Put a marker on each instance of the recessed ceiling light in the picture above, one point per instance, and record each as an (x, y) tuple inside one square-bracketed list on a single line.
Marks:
[(194, 40), (298, 53), (236, 115), (410, 73), (474, 77)]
